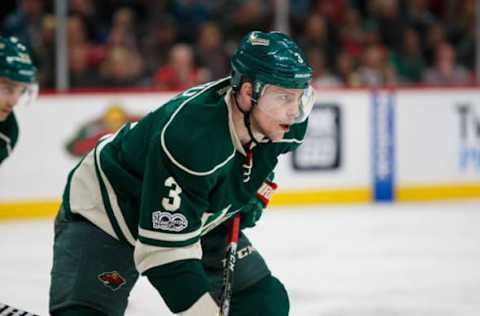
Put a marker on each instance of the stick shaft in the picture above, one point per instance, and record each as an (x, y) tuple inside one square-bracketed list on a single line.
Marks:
[(231, 258)]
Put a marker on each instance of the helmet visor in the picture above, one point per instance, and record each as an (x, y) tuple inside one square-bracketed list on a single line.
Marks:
[(286, 106), (29, 95), (18, 93)]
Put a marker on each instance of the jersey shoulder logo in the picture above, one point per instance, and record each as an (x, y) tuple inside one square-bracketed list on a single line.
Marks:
[(113, 280), (169, 221)]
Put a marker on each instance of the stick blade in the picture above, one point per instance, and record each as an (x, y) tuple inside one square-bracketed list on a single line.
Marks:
[(7, 310)]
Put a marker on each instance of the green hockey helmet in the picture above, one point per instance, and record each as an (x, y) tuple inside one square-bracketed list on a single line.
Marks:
[(269, 58), (15, 62)]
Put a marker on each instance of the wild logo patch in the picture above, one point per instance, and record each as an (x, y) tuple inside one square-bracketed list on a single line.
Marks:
[(113, 280)]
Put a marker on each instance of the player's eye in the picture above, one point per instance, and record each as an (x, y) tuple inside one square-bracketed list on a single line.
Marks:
[(6, 90), (284, 98)]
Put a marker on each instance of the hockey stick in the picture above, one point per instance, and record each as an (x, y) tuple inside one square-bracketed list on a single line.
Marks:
[(6, 310), (230, 260)]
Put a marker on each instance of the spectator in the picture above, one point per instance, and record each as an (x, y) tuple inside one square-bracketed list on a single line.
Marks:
[(45, 49), (390, 24), (374, 70), (122, 32), (408, 63), (463, 28), (315, 31), (419, 17), (316, 34), (332, 10), (435, 36), (299, 9), (180, 73), (321, 76), (345, 68), (352, 35), (122, 47), (192, 14), (82, 75), (158, 42), (95, 27), (121, 68), (244, 15), (210, 52), (84, 56), (445, 70)]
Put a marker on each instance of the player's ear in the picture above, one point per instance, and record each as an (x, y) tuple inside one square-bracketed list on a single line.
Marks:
[(245, 96)]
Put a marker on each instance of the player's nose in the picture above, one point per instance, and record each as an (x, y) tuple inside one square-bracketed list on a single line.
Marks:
[(293, 112)]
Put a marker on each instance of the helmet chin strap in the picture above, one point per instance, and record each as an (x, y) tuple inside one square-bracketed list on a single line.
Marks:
[(247, 118)]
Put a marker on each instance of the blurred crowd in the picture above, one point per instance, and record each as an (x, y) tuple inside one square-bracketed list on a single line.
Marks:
[(175, 44)]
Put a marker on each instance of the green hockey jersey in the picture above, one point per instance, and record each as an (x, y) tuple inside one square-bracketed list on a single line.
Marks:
[(164, 181), (8, 136)]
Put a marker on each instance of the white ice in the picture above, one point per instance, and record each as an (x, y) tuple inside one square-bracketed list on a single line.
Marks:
[(375, 260)]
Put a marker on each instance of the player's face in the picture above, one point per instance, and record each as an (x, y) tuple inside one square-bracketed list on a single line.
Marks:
[(10, 93), (277, 109)]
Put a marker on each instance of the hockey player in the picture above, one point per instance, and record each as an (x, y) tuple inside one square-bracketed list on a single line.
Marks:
[(17, 84), (154, 198)]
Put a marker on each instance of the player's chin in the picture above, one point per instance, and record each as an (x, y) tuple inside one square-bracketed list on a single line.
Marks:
[(276, 136)]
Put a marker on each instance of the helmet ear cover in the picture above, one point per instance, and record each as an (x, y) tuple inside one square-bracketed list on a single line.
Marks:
[(257, 86)]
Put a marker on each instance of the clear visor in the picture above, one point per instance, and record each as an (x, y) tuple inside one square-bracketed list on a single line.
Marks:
[(286, 106), (29, 96), (18, 93)]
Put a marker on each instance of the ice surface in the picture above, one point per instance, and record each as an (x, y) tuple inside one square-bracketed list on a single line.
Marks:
[(385, 260)]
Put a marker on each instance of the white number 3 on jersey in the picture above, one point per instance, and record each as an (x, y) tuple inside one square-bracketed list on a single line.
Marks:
[(172, 203)]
